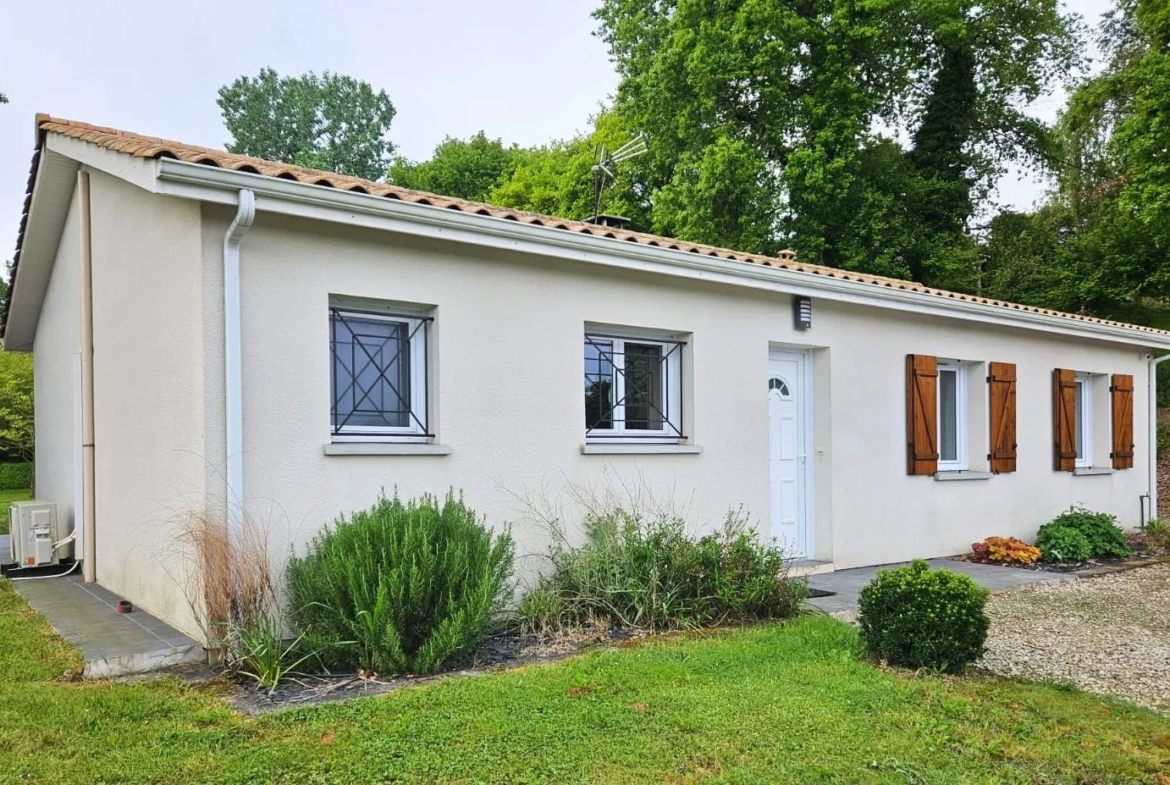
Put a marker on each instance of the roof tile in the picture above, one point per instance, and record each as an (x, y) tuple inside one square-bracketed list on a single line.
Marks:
[(153, 147)]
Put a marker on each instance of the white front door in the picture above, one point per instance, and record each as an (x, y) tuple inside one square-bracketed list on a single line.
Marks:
[(786, 452)]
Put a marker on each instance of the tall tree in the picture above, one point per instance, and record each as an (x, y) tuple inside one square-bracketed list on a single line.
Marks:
[(468, 169), (331, 122), (1113, 175), (802, 85)]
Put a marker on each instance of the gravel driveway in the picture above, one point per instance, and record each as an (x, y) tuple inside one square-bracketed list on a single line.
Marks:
[(1109, 634)]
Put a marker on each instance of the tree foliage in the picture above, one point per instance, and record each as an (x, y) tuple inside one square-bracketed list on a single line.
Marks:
[(1101, 241), (793, 93), (16, 406), (463, 168), (331, 122)]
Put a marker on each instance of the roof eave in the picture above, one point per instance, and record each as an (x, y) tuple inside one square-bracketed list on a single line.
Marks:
[(210, 184)]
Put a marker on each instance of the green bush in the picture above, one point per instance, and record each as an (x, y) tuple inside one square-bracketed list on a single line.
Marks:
[(1102, 536), (637, 572), (400, 587), (1062, 544), (921, 618), (15, 476)]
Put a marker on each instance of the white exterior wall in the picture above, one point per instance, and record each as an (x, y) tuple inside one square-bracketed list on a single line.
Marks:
[(507, 391), (507, 339), (58, 340), (148, 392), (882, 514)]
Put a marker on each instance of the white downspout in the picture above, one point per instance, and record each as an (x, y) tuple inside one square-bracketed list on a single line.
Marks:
[(88, 464), (1153, 444), (233, 369)]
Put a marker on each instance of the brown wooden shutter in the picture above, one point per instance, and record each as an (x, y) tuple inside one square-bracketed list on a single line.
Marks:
[(921, 414), (1001, 383), (1121, 393), (1064, 419)]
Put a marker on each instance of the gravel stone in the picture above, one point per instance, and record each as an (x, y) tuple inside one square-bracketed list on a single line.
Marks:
[(1108, 634)]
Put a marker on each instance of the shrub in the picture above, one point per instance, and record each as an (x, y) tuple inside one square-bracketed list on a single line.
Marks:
[(400, 587), (15, 476), (1062, 544), (922, 618), (1099, 529), (1007, 550), (637, 572)]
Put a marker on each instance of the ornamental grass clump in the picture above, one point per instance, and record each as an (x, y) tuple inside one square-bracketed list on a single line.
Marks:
[(921, 618), (644, 571), (1099, 537), (401, 587)]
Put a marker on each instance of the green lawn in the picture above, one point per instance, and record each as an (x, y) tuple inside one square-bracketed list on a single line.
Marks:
[(6, 498), (784, 703)]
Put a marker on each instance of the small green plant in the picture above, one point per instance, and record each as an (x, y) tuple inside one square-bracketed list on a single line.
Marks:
[(1157, 533), (921, 618), (260, 652), (635, 571), (1062, 544), (412, 585), (1101, 534)]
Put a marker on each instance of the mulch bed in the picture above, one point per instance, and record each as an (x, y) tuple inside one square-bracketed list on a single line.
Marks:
[(1143, 553), (502, 651)]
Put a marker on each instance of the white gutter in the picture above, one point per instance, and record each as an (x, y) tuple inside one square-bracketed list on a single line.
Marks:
[(233, 368), (1153, 443), (304, 200)]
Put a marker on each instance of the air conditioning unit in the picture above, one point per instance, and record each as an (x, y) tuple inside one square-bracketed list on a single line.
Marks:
[(37, 537)]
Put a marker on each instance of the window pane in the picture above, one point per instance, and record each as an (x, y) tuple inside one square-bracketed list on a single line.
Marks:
[(948, 415), (643, 380), (1080, 411), (371, 373), (598, 384)]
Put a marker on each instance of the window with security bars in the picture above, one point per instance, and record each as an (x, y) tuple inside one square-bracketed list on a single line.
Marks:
[(633, 389), (379, 375)]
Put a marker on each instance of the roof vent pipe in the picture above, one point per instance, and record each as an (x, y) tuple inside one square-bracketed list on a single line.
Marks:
[(233, 367)]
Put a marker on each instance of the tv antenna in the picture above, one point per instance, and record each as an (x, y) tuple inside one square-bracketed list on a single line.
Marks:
[(605, 172)]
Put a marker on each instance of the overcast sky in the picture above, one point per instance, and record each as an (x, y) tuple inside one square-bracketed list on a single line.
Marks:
[(524, 71)]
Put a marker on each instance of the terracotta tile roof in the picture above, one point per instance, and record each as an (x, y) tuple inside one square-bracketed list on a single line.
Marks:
[(153, 147)]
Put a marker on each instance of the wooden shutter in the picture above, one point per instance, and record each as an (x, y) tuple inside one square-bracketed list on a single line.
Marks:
[(1064, 419), (1121, 395), (1001, 383), (921, 414)]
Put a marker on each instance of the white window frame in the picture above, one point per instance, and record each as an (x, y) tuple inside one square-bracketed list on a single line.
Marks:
[(417, 326), (1084, 433), (672, 430), (962, 415)]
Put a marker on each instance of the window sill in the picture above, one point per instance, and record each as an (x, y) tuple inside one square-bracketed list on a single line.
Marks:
[(954, 476), (1090, 471), (640, 449), (386, 448)]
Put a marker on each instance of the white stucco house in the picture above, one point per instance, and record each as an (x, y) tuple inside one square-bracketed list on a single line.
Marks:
[(218, 332)]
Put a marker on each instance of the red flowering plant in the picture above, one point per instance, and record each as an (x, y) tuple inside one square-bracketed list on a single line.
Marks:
[(1005, 550)]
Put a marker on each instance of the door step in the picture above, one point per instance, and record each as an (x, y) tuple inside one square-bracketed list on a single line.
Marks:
[(805, 567)]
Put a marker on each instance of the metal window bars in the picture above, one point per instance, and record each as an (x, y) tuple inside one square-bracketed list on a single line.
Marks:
[(373, 383), (633, 387)]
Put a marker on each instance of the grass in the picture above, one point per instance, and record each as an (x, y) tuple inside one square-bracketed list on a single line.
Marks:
[(781, 703), (6, 498)]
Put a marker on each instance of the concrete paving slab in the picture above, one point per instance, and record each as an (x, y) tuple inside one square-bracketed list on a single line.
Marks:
[(112, 643), (847, 584)]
